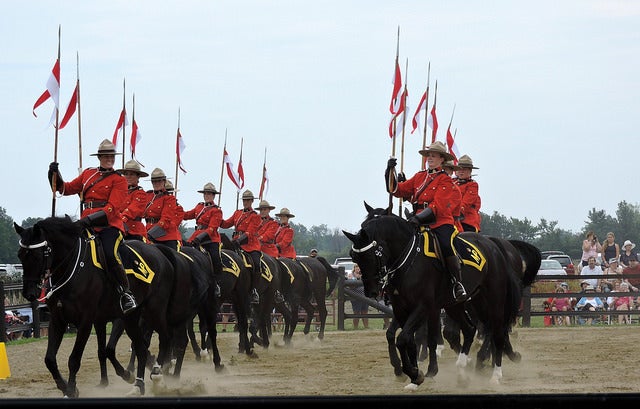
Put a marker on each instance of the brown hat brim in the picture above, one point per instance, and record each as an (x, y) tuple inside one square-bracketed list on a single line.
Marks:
[(215, 192), (447, 156), (139, 172), (105, 153), (263, 207)]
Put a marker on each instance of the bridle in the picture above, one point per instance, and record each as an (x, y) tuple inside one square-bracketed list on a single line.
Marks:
[(384, 274), (47, 256)]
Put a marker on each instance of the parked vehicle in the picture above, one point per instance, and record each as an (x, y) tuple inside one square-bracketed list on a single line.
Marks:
[(564, 259), (551, 268), (345, 262)]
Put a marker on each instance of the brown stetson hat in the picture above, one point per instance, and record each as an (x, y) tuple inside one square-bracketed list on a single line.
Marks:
[(285, 212), (133, 166), (106, 148), (437, 147)]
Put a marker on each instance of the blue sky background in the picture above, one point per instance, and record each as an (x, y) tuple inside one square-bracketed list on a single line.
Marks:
[(545, 94)]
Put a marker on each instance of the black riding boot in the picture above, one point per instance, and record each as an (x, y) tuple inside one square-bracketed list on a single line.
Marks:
[(127, 300), (453, 265)]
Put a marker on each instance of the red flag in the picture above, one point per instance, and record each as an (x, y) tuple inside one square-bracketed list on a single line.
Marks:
[(401, 111), (179, 149), (451, 144), (422, 106), (71, 108), (432, 121), (397, 86), (122, 121), (53, 88), (233, 175), (136, 137), (240, 173), (264, 185)]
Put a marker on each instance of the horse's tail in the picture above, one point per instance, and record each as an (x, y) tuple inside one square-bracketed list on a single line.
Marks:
[(332, 274), (531, 259)]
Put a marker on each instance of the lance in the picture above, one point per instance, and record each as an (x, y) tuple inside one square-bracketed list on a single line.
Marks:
[(426, 118), (79, 121), (55, 144), (175, 187), (393, 137), (404, 122), (222, 167), (124, 122)]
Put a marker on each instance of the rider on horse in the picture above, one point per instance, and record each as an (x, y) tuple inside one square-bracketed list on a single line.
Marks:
[(160, 213), (267, 236), (102, 193), (470, 207), (246, 222), (133, 207), (433, 194)]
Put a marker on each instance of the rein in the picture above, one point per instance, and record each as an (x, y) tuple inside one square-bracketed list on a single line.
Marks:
[(48, 262), (384, 273)]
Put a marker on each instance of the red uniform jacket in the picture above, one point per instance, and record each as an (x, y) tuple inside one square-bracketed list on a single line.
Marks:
[(161, 210), (470, 206), (456, 207), (132, 211), (107, 187), (267, 236), (246, 221), (433, 188), (208, 217), (284, 240)]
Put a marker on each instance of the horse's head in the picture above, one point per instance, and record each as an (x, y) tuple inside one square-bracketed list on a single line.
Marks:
[(38, 247), (380, 246), (372, 213)]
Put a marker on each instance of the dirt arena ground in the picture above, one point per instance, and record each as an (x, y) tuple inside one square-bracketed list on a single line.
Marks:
[(562, 360)]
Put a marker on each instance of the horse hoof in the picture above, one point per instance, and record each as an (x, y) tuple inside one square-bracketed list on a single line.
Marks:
[(463, 380), (220, 368), (516, 357), (411, 387), (135, 391), (494, 380), (204, 353)]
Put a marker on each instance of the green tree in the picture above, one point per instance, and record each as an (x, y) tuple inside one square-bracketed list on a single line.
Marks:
[(8, 239)]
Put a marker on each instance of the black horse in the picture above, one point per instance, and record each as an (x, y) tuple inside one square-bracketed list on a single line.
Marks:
[(79, 292), (302, 281), (396, 258)]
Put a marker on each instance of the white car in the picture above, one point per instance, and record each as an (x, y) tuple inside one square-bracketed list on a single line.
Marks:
[(551, 268), (347, 263)]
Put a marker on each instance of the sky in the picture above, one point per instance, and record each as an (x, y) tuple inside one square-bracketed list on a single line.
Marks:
[(546, 98)]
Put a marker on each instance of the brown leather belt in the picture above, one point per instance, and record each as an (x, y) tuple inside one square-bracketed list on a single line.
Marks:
[(151, 220), (201, 227), (93, 205)]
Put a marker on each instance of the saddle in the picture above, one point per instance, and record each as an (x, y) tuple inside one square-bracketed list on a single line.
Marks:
[(132, 261), (265, 271), (467, 252)]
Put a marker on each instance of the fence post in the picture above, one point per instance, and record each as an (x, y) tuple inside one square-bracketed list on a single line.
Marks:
[(3, 328), (526, 307), (341, 301)]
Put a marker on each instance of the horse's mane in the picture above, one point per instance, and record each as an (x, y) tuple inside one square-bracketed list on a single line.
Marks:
[(63, 226)]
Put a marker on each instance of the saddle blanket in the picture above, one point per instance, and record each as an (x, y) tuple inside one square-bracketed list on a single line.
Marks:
[(468, 252)]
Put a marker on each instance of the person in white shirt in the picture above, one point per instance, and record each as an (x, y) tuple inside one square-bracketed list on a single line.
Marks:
[(592, 269)]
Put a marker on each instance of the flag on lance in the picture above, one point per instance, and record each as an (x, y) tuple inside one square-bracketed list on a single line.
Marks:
[(180, 146), (264, 184), (422, 106), (136, 137), (401, 111), (451, 145), (122, 122), (71, 108), (52, 91), (394, 106), (233, 175)]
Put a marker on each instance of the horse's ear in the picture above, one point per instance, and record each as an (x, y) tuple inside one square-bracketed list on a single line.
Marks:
[(367, 207), (350, 236), (67, 217), (19, 229)]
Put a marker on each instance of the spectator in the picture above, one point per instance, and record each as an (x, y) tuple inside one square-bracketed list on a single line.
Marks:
[(627, 254), (313, 253), (592, 269), (634, 268), (610, 250), (622, 303), (608, 283), (590, 248), (560, 303), (359, 307), (589, 302)]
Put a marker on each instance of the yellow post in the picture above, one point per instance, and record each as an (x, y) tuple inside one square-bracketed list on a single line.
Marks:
[(5, 372)]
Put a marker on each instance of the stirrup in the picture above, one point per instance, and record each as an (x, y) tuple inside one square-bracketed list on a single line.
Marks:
[(459, 292), (127, 303), (279, 297)]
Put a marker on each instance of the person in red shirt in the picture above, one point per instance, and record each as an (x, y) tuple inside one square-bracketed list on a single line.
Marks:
[(431, 193), (103, 193), (160, 213), (247, 222), (135, 203), (284, 235), (470, 206), (208, 217), (449, 167), (267, 230)]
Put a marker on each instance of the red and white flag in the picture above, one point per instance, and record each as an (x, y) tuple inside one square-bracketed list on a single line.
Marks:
[(122, 122), (422, 106), (180, 146), (136, 137), (71, 108), (432, 122), (52, 91), (233, 175), (397, 86), (398, 117), (451, 145), (264, 185), (240, 173)]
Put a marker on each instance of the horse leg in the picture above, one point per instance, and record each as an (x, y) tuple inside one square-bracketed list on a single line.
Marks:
[(308, 308), (101, 336), (116, 332), (56, 332), (432, 328), (322, 315), (391, 344), (406, 344), (289, 318), (192, 339), (135, 333), (208, 318), (240, 309), (181, 340), (75, 359)]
